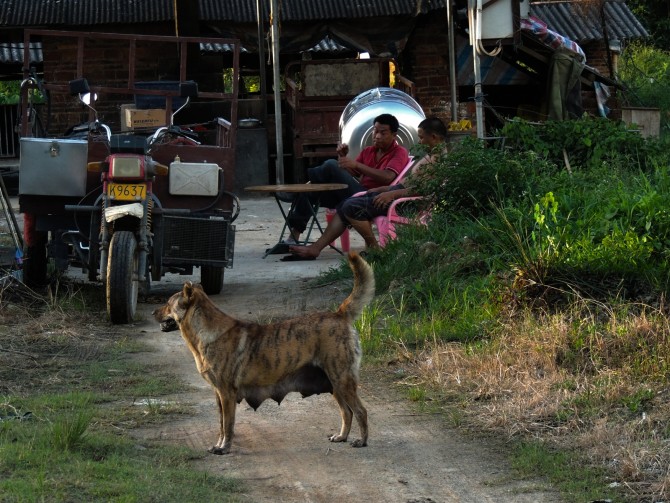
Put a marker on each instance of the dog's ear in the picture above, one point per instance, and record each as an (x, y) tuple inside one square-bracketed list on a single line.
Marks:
[(188, 290)]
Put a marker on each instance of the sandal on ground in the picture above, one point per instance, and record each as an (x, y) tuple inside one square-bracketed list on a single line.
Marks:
[(295, 258)]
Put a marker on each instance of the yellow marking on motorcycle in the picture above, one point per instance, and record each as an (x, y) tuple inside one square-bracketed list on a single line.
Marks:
[(127, 191)]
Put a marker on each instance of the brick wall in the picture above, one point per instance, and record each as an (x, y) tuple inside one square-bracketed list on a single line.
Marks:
[(105, 63), (425, 61)]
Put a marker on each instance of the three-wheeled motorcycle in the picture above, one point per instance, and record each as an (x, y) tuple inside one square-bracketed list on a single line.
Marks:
[(128, 207)]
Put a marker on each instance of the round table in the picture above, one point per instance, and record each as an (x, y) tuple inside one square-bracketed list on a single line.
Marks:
[(296, 188)]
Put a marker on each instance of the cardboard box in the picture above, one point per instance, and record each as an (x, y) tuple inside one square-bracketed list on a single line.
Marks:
[(149, 118)]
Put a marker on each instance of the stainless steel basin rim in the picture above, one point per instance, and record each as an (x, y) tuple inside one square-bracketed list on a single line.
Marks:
[(356, 119)]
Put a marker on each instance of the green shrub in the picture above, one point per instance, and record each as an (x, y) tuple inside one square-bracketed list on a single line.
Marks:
[(471, 177), (584, 143), (645, 72), (601, 228)]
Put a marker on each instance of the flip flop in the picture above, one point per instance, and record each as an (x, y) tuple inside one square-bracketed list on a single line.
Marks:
[(295, 258), (277, 249)]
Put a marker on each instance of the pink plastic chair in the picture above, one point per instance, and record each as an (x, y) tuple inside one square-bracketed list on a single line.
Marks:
[(344, 238), (386, 224)]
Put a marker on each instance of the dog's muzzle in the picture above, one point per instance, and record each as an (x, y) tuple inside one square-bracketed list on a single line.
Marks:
[(169, 325)]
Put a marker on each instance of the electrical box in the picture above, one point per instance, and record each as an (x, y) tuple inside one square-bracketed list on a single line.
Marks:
[(498, 17)]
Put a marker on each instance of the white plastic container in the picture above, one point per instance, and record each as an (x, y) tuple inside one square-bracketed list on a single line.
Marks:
[(194, 178)]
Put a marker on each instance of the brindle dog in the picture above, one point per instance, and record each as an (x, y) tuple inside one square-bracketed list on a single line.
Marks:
[(311, 354)]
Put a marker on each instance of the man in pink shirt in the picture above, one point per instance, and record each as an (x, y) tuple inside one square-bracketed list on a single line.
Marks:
[(376, 166)]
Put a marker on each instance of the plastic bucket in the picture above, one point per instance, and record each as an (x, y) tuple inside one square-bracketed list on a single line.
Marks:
[(356, 121)]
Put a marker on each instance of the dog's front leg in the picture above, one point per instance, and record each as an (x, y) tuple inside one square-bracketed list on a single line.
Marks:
[(227, 404), (215, 449)]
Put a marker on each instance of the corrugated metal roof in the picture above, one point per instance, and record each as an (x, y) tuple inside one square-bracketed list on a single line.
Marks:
[(83, 12), (583, 24), (92, 12), (308, 10), (219, 48), (328, 45), (13, 53), (565, 17)]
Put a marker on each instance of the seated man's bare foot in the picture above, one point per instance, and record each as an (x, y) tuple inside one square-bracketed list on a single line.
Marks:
[(304, 251)]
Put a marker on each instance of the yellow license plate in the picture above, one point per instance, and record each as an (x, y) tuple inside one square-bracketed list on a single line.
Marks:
[(127, 191)]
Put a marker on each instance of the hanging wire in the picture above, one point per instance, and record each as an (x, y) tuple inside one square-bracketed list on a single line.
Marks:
[(475, 29)]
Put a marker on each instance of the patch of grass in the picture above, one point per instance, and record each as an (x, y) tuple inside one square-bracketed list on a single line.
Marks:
[(582, 388), (61, 445), (417, 394), (564, 469), (101, 467)]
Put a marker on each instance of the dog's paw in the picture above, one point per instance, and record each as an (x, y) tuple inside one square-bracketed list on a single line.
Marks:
[(337, 438), (219, 451), (169, 325), (359, 443)]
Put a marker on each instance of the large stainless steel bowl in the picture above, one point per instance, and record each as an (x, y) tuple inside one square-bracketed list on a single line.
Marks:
[(356, 122)]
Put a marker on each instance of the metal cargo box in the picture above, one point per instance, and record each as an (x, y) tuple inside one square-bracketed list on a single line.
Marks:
[(53, 167), (207, 240)]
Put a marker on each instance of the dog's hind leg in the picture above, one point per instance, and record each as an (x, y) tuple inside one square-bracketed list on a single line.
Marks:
[(226, 407), (345, 414), (350, 406), (361, 415)]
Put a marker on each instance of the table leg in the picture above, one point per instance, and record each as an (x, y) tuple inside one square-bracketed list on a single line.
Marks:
[(315, 221), (281, 247)]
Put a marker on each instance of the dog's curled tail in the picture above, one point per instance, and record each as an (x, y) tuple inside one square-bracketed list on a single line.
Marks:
[(364, 287)]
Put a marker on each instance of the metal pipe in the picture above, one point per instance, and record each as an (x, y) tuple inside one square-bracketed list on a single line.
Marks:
[(452, 62), (261, 54), (274, 14), (474, 14)]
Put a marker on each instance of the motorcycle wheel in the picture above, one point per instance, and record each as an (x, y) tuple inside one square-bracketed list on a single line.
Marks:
[(122, 279), (211, 279)]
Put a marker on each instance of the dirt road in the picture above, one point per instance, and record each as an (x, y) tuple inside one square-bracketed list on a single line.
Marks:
[(282, 452)]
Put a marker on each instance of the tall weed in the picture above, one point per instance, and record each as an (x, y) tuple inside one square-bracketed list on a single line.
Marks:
[(71, 421)]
